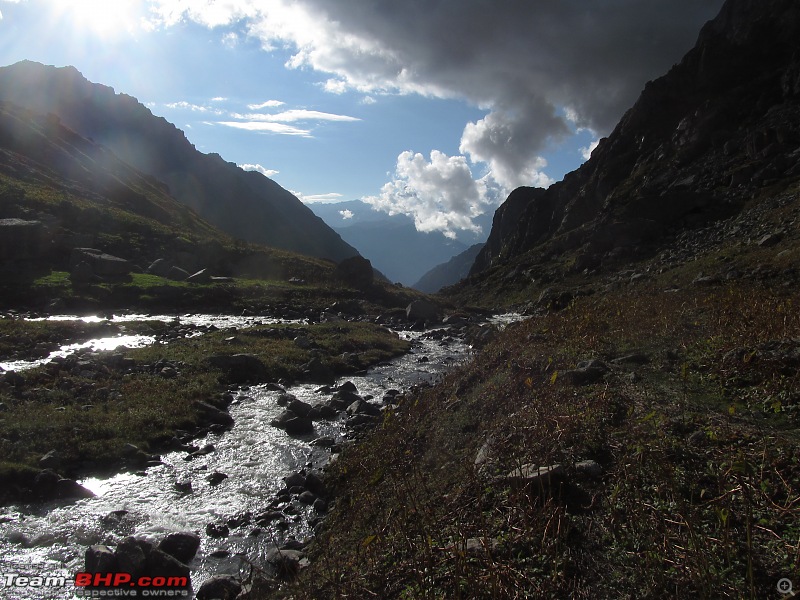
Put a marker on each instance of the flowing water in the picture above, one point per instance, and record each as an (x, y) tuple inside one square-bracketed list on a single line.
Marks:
[(50, 540)]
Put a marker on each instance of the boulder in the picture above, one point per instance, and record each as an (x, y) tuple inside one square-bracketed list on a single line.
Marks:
[(212, 414), (161, 564), (240, 367), (286, 562), (102, 264), (159, 267), (130, 557), (534, 478), (177, 274), (181, 545), (21, 240), (100, 559), (587, 372), (202, 276), (219, 587), (422, 310)]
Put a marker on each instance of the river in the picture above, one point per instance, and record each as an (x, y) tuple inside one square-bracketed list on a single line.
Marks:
[(51, 539)]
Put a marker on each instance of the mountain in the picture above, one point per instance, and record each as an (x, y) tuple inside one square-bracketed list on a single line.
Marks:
[(391, 242), (60, 191), (700, 144), (244, 204), (453, 271)]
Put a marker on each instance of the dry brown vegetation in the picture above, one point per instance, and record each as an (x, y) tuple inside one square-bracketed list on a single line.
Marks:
[(699, 495)]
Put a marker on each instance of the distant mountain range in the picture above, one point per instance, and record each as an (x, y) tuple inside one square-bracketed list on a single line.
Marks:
[(392, 243), (244, 204), (449, 273)]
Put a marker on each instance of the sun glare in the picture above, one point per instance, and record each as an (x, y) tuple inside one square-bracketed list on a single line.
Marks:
[(103, 18)]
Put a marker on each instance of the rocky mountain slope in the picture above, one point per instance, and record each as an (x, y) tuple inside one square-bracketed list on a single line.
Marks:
[(448, 273), (244, 204), (702, 142)]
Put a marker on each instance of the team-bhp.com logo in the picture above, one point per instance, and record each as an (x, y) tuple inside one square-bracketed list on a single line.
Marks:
[(106, 585)]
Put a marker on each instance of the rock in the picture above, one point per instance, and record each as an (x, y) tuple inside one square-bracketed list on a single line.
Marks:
[(216, 478), (50, 460), (161, 564), (589, 469), (181, 545), (177, 274), (422, 310), (298, 426), (159, 267), (71, 489), (286, 562), (306, 498), (212, 414), (303, 342), (219, 587), (355, 271), (299, 408), (130, 557), (82, 273), (295, 480), (587, 372), (533, 477), (217, 530), (320, 506), (100, 559), (240, 367), (769, 240), (22, 240), (202, 276), (323, 442), (636, 358), (102, 264), (362, 407)]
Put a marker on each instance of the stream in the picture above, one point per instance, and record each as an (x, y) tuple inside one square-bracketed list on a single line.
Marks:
[(50, 540)]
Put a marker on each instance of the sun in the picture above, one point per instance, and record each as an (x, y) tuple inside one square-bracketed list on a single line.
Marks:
[(102, 18)]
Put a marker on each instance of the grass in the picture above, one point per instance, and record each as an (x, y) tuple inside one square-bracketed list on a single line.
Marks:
[(89, 411), (700, 492)]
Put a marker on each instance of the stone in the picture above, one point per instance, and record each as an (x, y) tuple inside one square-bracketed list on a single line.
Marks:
[(286, 562), (161, 564), (177, 274), (299, 408), (215, 530), (219, 587), (362, 407), (422, 310), (71, 489), (102, 264), (159, 267), (307, 498), (50, 460), (589, 468), (534, 477), (21, 239), (202, 276), (298, 426), (588, 372), (181, 545), (295, 480), (212, 414), (216, 478), (240, 367), (130, 557), (100, 559)]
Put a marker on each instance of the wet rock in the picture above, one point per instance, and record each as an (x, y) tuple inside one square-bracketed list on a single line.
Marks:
[(294, 480), (362, 407), (71, 489), (299, 408), (130, 557), (100, 559), (307, 498), (216, 478), (323, 442), (161, 564), (181, 545), (320, 506), (212, 414), (220, 587), (286, 399), (217, 530)]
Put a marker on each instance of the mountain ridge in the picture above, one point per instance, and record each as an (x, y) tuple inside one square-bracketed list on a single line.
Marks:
[(219, 191)]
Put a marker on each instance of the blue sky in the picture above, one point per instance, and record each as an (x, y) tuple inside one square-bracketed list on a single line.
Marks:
[(432, 108)]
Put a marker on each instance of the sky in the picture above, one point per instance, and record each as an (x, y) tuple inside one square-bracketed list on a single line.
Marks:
[(436, 109)]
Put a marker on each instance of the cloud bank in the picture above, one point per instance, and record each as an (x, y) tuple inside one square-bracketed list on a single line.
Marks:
[(539, 68)]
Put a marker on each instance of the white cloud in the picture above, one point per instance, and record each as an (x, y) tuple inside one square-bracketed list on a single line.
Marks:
[(262, 127), (328, 198), (346, 214), (586, 151), (440, 194), (258, 168), (267, 104), (219, 99), (184, 105), (290, 116), (368, 100)]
